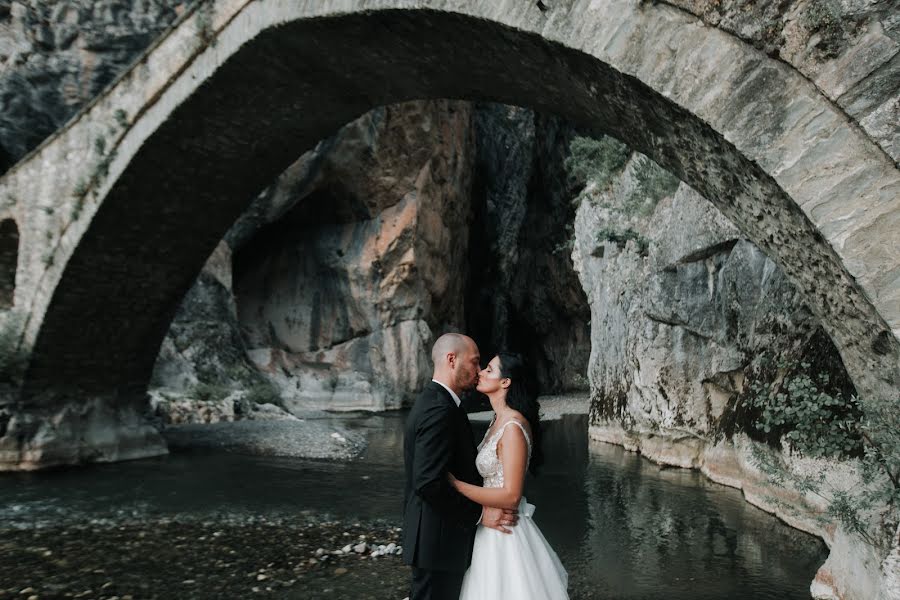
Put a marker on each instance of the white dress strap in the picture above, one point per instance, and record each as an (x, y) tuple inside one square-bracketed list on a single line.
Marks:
[(520, 426)]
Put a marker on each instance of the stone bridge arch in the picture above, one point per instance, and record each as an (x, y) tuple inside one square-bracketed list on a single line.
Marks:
[(119, 210)]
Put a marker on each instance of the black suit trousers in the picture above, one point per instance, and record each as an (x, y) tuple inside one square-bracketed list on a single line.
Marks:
[(428, 584)]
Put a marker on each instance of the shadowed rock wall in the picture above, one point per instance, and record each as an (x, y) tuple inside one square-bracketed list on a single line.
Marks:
[(347, 268), (523, 293)]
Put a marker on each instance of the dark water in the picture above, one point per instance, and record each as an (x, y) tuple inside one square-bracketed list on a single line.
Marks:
[(623, 527)]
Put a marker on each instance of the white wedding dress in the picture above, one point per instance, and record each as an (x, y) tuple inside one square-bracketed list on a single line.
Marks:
[(511, 566)]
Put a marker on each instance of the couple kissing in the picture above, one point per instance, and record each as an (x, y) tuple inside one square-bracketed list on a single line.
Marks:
[(468, 531)]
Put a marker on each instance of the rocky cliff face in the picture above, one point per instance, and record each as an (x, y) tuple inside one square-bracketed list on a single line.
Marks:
[(686, 318), (684, 311), (363, 260), (523, 293), (203, 374), (413, 220), (56, 55)]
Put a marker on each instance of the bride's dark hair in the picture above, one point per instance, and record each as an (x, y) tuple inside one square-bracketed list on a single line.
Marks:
[(519, 396)]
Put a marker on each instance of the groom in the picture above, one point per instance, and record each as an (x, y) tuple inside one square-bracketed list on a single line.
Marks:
[(438, 522)]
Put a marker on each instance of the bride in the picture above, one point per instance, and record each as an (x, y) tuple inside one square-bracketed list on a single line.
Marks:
[(519, 565)]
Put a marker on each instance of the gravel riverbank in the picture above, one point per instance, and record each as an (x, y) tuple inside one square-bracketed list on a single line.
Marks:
[(306, 558), (317, 435), (300, 438), (302, 558)]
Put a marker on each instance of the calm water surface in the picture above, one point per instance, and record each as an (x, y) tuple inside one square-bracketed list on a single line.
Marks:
[(622, 526)]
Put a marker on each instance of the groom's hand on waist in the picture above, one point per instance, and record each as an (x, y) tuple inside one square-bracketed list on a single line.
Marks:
[(499, 518)]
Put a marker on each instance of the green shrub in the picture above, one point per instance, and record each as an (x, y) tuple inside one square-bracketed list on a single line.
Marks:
[(822, 18), (816, 421), (78, 207), (263, 393), (208, 392), (880, 431), (869, 510), (80, 189), (621, 238), (595, 159), (821, 422), (103, 166)]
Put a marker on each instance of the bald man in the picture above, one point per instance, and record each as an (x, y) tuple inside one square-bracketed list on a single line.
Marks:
[(438, 522)]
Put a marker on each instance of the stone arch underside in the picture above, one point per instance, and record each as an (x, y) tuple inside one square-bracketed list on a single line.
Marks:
[(280, 85)]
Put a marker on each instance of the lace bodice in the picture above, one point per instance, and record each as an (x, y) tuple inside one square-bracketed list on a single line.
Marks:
[(489, 466)]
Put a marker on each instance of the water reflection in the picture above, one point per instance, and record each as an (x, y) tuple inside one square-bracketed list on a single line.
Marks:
[(673, 530), (624, 527)]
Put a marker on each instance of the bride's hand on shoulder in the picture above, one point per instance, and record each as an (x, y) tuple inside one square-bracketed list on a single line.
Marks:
[(453, 480)]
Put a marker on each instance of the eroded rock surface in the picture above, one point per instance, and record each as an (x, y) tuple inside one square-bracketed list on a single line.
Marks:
[(345, 269), (56, 56), (414, 219), (686, 316), (684, 309)]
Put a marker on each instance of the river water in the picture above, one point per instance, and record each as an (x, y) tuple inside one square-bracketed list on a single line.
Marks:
[(623, 527)]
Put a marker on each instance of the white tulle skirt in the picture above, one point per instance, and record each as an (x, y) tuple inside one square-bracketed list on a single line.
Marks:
[(514, 566)]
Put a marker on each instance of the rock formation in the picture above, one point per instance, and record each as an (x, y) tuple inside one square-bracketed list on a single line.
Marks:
[(687, 317), (683, 309), (346, 268), (363, 260), (523, 293), (56, 56)]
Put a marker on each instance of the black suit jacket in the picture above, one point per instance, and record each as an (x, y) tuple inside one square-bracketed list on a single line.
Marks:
[(438, 522)]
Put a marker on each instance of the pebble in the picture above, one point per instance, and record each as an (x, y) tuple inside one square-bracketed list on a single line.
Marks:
[(309, 553)]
